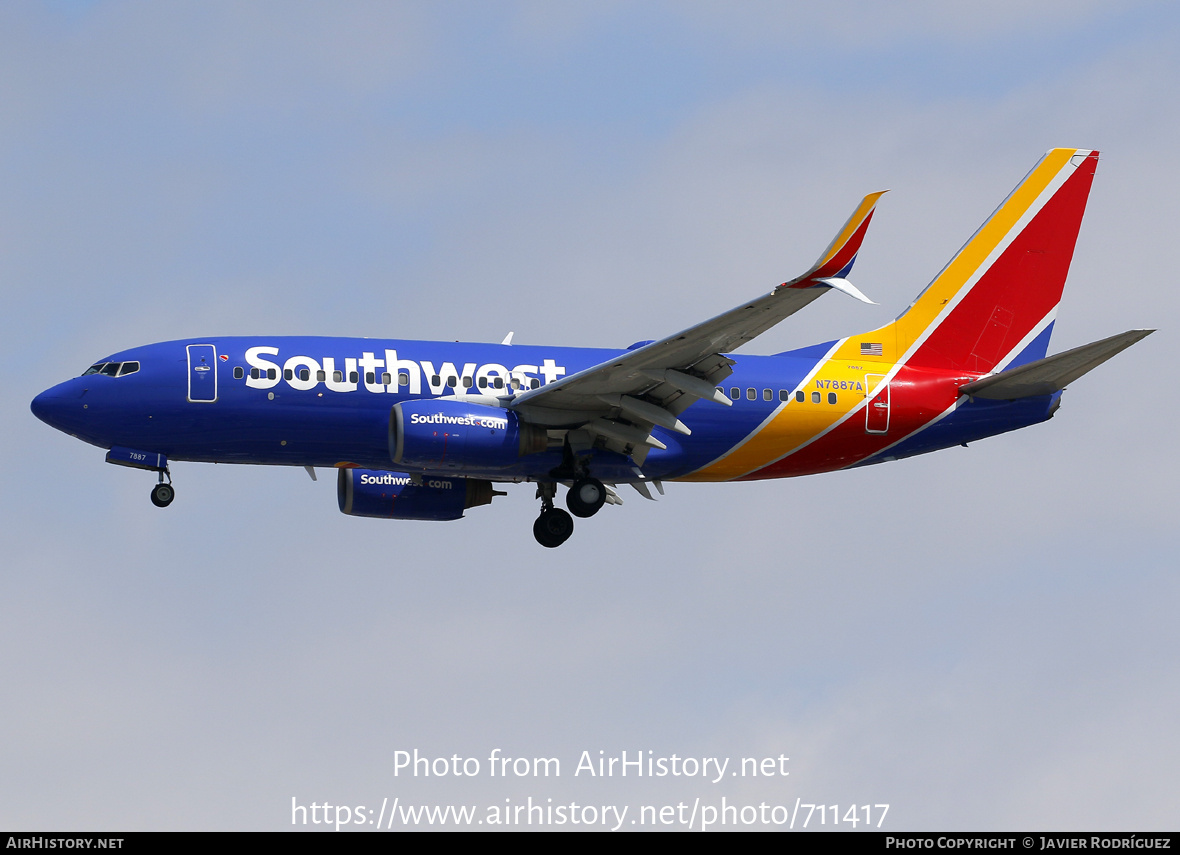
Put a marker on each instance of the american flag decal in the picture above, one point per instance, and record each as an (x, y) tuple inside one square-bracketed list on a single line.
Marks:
[(870, 348)]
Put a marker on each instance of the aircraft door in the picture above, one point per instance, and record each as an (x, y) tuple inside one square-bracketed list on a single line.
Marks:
[(202, 373), (877, 408)]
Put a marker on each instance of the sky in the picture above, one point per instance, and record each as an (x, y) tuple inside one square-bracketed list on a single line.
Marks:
[(981, 639)]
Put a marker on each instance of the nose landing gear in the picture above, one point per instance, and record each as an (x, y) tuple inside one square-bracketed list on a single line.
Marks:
[(163, 494)]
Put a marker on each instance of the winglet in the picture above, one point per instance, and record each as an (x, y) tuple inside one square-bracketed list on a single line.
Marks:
[(836, 261)]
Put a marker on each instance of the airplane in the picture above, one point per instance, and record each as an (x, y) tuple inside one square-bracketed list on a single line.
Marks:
[(424, 430)]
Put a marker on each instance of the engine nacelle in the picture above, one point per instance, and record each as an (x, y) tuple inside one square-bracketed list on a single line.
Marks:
[(395, 496), (434, 434)]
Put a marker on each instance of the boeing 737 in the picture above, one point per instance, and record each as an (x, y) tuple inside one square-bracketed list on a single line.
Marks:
[(425, 430)]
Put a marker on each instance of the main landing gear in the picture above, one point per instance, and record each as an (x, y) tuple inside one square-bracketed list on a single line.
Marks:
[(586, 497), (163, 494), (554, 526)]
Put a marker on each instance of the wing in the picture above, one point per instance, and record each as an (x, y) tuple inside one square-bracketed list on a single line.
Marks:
[(621, 400)]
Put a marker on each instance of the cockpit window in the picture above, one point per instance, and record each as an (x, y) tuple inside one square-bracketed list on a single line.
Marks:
[(112, 369)]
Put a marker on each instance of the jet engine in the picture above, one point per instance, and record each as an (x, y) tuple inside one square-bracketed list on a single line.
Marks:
[(457, 436), (395, 496)]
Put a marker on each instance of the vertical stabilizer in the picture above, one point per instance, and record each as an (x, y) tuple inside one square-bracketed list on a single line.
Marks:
[(993, 304)]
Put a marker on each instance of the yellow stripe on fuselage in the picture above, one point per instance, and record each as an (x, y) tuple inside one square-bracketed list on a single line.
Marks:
[(796, 423)]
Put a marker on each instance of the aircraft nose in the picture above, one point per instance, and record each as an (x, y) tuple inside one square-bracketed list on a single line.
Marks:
[(54, 406)]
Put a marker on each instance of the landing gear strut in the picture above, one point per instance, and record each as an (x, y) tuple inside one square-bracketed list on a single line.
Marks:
[(163, 494), (554, 526), (586, 497)]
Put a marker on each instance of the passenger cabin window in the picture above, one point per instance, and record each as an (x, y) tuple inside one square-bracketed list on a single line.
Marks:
[(831, 397), (735, 392), (767, 395), (483, 382), (288, 374), (752, 394), (337, 376), (403, 379), (498, 382), (370, 377), (239, 372), (452, 381), (815, 397), (321, 376), (800, 396), (784, 395), (353, 377), (272, 374), (387, 379), (254, 374)]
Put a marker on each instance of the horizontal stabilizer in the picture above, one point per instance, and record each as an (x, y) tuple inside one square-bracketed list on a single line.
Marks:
[(1053, 373)]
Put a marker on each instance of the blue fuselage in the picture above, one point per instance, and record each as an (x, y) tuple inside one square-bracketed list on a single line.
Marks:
[(324, 402)]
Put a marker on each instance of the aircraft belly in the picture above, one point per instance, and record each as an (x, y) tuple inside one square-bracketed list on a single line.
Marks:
[(277, 432), (970, 421)]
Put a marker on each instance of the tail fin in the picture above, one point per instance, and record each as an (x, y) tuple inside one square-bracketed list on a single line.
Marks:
[(993, 305)]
